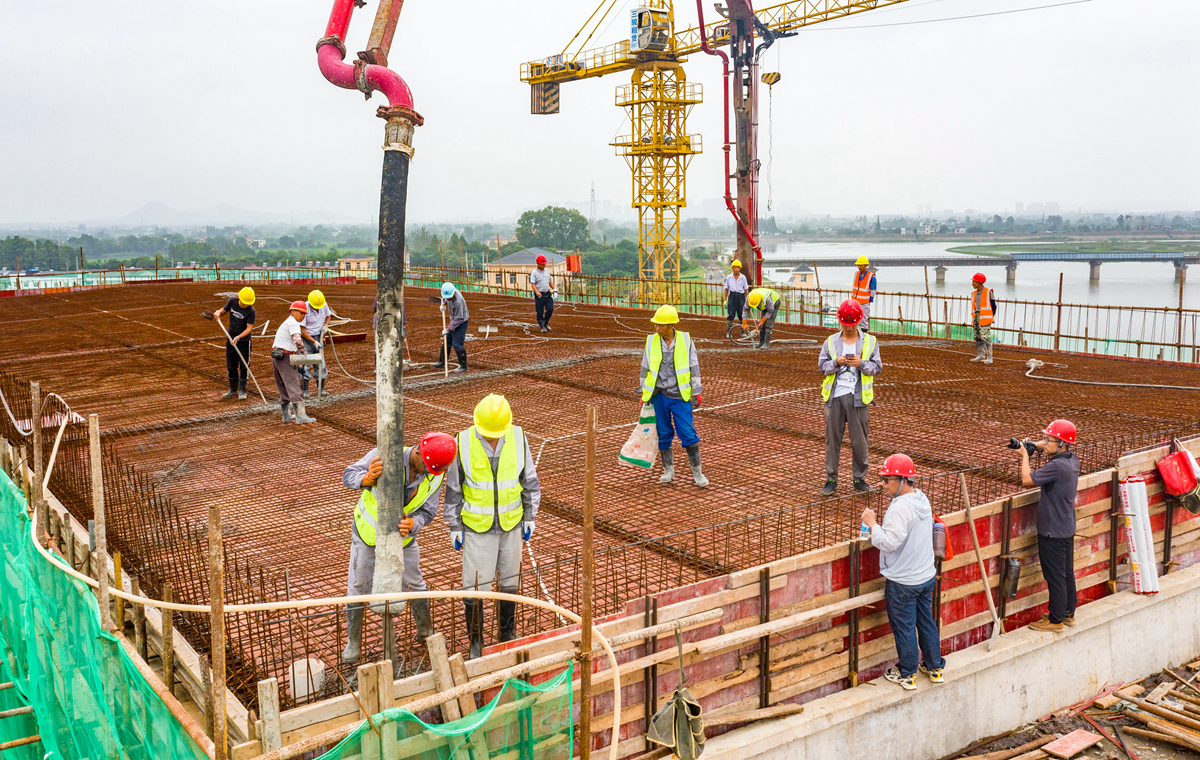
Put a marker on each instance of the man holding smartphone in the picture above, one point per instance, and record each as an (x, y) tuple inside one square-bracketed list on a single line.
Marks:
[(849, 360)]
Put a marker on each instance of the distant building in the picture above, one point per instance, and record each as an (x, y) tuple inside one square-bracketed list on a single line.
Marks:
[(352, 265), (491, 242), (512, 271), (803, 277)]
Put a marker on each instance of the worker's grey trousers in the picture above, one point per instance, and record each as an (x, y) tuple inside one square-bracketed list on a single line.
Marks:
[(866, 320), (484, 554), (839, 413), (361, 578)]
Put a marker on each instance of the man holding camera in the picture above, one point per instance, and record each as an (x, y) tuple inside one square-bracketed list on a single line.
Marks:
[(1059, 480)]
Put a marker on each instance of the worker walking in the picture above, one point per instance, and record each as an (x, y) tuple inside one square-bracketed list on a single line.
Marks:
[(492, 497), (455, 333), (983, 312), (736, 286), (1058, 479), (424, 468), (312, 330), (287, 379), (674, 388), (850, 361), (864, 290), (542, 285), (767, 301), (240, 309)]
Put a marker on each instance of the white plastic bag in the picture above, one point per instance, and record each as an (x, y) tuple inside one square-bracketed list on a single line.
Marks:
[(642, 447)]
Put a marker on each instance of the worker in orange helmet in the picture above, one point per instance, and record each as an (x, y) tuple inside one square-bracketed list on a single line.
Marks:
[(983, 311), (424, 468), (288, 341), (1059, 480), (849, 360)]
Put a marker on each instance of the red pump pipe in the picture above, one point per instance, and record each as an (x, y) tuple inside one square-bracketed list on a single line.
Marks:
[(361, 76), (728, 192)]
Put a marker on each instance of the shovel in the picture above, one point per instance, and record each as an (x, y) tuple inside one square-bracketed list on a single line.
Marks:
[(209, 316)]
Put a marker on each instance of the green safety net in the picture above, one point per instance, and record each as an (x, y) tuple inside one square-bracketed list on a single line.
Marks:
[(88, 697), (522, 722)]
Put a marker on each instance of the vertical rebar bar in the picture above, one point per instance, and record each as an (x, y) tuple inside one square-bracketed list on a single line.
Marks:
[(585, 640), (1058, 312), (216, 586), (168, 640), (99, 557)]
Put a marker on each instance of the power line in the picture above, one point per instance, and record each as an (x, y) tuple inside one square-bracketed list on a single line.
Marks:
[(951, 18)]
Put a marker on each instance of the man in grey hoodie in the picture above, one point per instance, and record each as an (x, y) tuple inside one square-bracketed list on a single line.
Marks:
[(905, 543)]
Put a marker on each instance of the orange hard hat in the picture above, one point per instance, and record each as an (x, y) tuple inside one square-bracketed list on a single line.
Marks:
[(298, 306)]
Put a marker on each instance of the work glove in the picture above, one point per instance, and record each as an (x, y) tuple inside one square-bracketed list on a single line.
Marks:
[(526, 529), (697, 400), (456, 540)]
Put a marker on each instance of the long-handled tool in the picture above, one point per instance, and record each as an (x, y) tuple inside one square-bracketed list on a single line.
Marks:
[(998, 626), (209, 315), (445, 343)]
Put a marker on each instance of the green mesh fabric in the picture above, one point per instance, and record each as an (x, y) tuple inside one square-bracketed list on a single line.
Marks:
[(88, 697), (523, 722)]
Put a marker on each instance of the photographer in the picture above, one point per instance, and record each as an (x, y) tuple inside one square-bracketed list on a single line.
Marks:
[(1059, 480)]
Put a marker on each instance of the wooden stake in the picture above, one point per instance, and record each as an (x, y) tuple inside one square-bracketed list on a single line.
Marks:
[(998, 625), (585, 631), (268, 704), (168, 639), (216, 590), (99, 559), (39, 473), (119, 584), (139, 619), (928, 307), (1058, 311)]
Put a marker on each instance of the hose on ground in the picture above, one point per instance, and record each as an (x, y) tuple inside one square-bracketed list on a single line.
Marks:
[(1036, 364)]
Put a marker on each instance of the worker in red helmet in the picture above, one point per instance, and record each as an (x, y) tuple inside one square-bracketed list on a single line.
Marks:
[(850, 361), (1058, 479), (542, 285), (983, 312), (905, 544), (424, 468), (288, 341)]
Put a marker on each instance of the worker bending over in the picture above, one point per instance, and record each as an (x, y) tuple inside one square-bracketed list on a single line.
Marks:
[(287, 342), (864, 290), (455, 333), (736, 286), (905, 544), (312, 330), (492, 497), (767, 302), (674, 388), (542, 285), (424, 467), (241, 322), (849, 360), (1059, 480), (983, 312)]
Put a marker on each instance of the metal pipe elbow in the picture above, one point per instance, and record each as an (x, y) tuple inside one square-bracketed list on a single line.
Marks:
[(364, 77)]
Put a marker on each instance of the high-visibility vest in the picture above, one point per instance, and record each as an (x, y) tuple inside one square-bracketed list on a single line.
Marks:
[(862, 287), (766, 293), (367, 512), (868, 381), (981, 306), (683, 365), (487, 495)]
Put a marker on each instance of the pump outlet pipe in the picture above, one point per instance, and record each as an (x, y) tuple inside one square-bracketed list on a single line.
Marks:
[(367, 76)]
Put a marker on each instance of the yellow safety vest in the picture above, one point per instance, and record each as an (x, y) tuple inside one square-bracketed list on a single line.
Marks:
[(868, 381), (766, 292), (487, 495), (366, 513), (683, 365)]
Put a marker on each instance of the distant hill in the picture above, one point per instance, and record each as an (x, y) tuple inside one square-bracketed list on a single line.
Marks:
[(156, 214)]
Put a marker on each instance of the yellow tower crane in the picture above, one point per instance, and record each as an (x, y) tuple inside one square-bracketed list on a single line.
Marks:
[(659, 99)]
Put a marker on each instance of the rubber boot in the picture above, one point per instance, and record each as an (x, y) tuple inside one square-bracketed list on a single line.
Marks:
[(321, 388), (978, 351), (354, 616), (302, 417), (242, 389), (287, 411), (304, 387), (507, 613), (668, 460), (461, 353), (474, 611), (693, 453), (232, 392), (988, 354), (728, 328), (420, 611)]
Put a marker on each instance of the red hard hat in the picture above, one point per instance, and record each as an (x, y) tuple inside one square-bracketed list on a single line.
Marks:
[(850, 312), (979, 277), (899, 464), (298, 306), (1063, 430), (437, 451), (541, 259)]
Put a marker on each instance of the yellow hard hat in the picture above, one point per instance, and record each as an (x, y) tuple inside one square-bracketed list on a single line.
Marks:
[(316, 299), (755, 298), (862, 262), (493, 416), (666, 315), (735, 263), (246, 295)]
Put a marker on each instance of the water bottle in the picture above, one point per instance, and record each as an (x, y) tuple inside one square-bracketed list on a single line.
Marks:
[(864, 532), (939, 540)]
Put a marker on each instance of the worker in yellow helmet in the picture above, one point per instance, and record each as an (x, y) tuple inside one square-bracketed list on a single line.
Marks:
[(767, 301), (312, 331), (673, 387), (492, 498), (736, 286), (240, 309), (863, 289)]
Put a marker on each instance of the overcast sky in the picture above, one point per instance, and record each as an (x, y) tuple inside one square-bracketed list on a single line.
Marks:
[(105, 106)]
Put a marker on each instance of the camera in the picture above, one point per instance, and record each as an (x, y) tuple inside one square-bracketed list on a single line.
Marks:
[(1015, 444)]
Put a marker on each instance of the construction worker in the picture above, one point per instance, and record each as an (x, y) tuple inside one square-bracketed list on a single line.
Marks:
[(864, 289), (424, 467), (1059, 480), (674, 388), (492, 497), (456, 333), (983, 311), (767, 301), (287, 379), (849, 360), (312, 331), (905, 544), (241, 322), (542, 285), (736, 286)]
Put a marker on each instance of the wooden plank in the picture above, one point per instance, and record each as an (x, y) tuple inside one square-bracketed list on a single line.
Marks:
[(746, 716), (458, 672), (1159, 692), (443, 678), (1071, 744), (369, 696), (271, 734)]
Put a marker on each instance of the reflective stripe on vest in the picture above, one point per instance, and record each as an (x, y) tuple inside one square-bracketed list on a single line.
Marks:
[(982, 296), (767, 293), (367, 511), (683, 364), (868, 381), (862, 287), (487, 495)]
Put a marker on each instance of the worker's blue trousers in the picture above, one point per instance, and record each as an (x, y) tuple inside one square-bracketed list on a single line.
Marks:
[(673, 416)]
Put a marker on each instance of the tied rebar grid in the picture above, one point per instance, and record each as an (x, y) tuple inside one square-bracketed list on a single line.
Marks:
[(144, 360)]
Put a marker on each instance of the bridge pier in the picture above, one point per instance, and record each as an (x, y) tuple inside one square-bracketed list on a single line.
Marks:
[(1094, 275), (941, 274), (1180, 271), (1010, 273)]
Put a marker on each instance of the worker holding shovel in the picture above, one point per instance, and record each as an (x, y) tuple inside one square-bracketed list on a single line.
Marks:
[(454, 335), (240, 309)]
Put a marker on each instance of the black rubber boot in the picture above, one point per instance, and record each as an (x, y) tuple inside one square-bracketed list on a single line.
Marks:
[(287, 411), (461, 353), (321, 390), (232, 392), (354, 616), (728, 328), (420, 611), (242, 389), (506, 611), (304, 388), (474, 611)]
